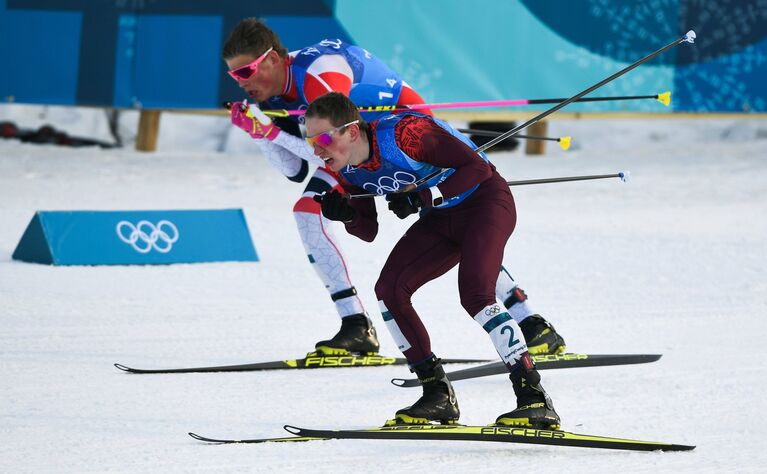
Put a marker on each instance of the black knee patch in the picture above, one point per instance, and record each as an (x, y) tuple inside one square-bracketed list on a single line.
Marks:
[(518, 295), (339, 295)]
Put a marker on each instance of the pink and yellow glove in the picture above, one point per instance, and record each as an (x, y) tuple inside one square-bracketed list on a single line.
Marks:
[(250, 118)]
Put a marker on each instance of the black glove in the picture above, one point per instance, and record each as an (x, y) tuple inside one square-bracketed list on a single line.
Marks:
[(404, 204), (336, 207)]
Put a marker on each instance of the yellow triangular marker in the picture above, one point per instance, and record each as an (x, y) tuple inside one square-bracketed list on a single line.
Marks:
[(564, 142), (664, 98)]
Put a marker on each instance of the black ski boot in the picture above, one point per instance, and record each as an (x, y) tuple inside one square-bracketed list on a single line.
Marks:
[(534, 407), (357, 336), (438, 401), (541, 336)]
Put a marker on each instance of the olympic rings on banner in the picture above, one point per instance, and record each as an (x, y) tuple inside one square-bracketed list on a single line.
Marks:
[(145, 236)]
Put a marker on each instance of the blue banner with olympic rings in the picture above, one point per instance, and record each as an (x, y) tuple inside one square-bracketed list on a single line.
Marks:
[(136, 237)]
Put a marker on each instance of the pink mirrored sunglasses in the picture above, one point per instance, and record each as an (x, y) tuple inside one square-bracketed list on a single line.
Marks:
[(326, 138), (243, 73)]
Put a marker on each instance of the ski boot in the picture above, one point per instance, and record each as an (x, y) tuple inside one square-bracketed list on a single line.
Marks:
[(541, 336), (534, 407), (356, 336), (438, 401)]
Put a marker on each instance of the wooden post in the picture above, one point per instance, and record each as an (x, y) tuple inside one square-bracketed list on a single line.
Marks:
[(148, 129), (536, 147)]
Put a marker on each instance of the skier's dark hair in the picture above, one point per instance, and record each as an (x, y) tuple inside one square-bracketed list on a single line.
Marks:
[(252, 37), (337, 109)]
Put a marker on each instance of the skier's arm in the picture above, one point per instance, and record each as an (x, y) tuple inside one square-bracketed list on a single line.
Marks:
[(425, 141), (358, 215), (285, 151), (364, 225), (290, 155)]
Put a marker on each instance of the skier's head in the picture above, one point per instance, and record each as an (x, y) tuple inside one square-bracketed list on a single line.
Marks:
[(336, 131), (256, 59)]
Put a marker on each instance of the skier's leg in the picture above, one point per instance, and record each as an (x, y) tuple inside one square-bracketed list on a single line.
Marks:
[(513, 297), (420, 256), (541, 336), (357, 333), (481, 255)]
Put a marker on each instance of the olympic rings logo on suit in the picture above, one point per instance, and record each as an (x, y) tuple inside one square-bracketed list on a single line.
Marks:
[(493, 311), (390, 184), (333, 44), (145, 236), (312, 51)]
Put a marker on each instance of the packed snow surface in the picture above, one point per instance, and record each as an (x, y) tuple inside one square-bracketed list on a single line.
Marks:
[(673, 262)]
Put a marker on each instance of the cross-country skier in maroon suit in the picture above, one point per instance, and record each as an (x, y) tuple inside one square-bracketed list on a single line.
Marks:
[(469, 216)]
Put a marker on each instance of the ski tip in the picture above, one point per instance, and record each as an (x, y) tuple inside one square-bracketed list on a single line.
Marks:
[(625, 176), (675, 447), (564, 142), (398, 382), (124, 368), (294, 430), (664, 98), (690, 36), (210, 440)]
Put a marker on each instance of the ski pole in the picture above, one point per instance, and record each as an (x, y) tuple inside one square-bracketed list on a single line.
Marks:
[(564, 142), (664, 98), (689, 37), (623, 175)]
